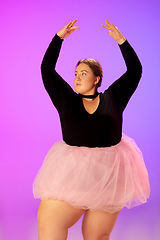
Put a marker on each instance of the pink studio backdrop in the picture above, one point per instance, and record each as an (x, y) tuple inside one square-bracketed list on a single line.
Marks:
[(29, 123)]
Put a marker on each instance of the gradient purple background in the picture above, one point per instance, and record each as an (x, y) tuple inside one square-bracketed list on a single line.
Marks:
[(29, 123)]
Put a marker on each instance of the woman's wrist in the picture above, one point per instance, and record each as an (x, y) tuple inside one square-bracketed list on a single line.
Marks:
[(121, 41), (59, 36)]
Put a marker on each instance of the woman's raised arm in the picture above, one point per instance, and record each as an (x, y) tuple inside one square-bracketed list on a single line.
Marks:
[(55, 85), (124, 87)]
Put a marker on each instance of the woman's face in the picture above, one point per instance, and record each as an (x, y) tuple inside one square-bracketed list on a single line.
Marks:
[(85, 81)]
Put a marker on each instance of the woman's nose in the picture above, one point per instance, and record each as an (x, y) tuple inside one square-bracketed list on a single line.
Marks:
[(78, 77)]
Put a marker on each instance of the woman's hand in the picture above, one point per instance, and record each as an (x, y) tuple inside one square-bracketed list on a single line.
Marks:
[(67, 30), (114, 32)]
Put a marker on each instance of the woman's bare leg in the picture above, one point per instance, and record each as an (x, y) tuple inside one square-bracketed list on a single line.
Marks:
[(54, 219), (98, 225)]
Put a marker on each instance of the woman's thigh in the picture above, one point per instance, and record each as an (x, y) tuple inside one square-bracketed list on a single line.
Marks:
[(54, 219), (97, 225)]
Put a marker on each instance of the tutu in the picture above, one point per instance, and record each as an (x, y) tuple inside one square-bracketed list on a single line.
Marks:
[(106, 178)]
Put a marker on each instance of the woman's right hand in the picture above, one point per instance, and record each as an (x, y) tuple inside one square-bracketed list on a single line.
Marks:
[(67, 30)]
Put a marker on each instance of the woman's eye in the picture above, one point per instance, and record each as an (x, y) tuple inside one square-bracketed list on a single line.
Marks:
[(76, 74), (83, 74)]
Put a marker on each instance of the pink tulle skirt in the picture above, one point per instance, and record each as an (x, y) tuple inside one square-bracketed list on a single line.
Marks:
[(107, 178)]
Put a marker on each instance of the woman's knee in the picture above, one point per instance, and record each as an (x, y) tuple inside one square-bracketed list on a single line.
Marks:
[(49, 227), (44, 216), (98, 225), (55, 217), (96, 236)]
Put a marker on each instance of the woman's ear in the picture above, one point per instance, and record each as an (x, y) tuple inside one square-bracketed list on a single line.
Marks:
[(97, 80)]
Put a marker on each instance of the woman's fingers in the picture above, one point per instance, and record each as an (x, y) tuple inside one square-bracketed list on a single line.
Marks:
[(105, 26), (70, 24), (108, 23), (109, 26), (114, 32), (74, 21), (68, 29), (74, 28)]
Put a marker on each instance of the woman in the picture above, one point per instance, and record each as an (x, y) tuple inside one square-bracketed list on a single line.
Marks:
[(94, 171)]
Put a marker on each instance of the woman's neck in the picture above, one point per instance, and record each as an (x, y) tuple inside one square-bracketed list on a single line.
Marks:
[(90, 96)]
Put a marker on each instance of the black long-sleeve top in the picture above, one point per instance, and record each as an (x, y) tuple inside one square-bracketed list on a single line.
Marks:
[(103, 128)]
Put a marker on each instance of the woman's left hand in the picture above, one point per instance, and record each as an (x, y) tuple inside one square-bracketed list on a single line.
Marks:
[(114, 32)]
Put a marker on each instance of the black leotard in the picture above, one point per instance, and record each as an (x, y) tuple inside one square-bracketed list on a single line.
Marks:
[(103, 128)]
